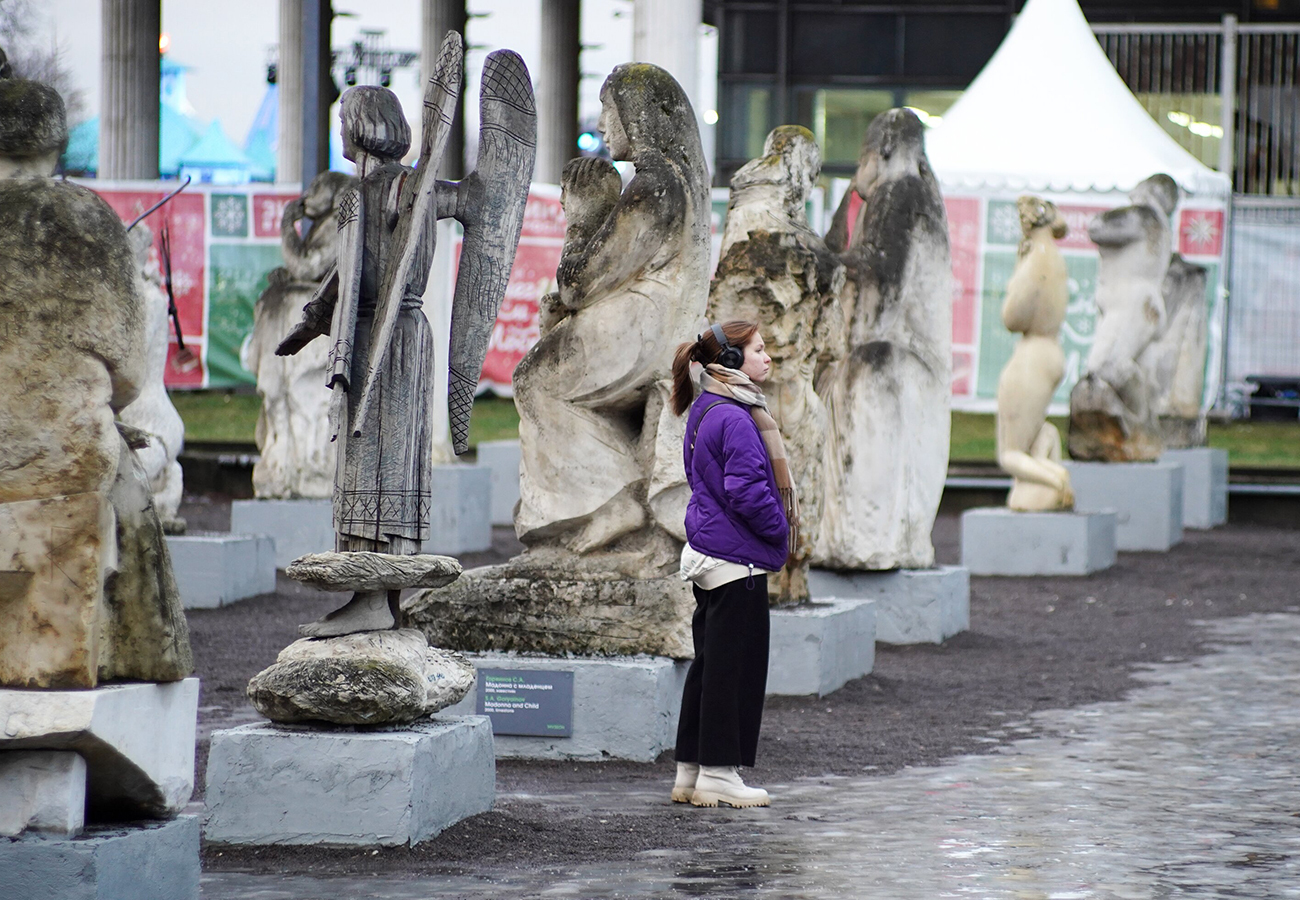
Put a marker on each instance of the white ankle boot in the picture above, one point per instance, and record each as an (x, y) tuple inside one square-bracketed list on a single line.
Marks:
[(722, 784), (684, 786)]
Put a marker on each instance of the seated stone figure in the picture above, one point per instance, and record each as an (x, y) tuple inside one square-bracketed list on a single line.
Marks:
[(775, 270), (1029, 447), (1112, 407), (887, 454), (86, 588), (293, 429)]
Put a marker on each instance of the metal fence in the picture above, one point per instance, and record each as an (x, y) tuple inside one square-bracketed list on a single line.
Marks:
[(1264, 290)]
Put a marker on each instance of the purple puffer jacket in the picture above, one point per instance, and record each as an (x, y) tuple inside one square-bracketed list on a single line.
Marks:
[(735, 512)]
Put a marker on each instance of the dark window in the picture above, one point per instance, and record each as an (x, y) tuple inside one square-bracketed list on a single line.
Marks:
[(749, 43), (950, 46), (829, 44)]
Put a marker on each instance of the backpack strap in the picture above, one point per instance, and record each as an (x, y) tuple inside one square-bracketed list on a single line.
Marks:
[(700, 420)]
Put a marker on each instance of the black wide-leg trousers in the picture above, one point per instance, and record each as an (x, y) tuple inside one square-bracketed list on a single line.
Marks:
[(722, 701)]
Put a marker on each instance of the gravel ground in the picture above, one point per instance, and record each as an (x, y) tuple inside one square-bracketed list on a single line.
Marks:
[(1034, 643)]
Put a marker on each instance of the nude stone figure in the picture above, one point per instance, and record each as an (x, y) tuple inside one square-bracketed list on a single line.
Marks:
[(601, 464), (1029, 447), (296, 455), (86, 587), (776, 271), (1113, 414), (887, 454)]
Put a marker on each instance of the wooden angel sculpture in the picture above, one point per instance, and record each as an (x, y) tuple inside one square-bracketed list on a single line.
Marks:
[(382, 350)]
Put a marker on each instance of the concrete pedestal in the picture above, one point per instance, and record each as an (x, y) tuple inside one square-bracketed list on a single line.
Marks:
[(298, 526), (142, 861), (913, 606), (287, 784), (817, 648), (460, 519), (42, 790), (623, 707), (1205, 485), (1146, 497), (999, 541), (501, 458), (214, 569)]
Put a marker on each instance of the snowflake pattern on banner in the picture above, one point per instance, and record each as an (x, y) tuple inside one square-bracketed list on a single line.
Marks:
[(1202, 232), (1004, 223), (229, 215)]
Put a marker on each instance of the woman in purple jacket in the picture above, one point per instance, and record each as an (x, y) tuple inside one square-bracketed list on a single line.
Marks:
[(740, 523)]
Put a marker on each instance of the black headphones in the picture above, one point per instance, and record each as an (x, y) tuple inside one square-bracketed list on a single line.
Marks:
[(730, 357)]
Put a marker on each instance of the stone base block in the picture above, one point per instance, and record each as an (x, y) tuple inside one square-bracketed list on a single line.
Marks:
[(913, 606), (296, 784), (137, 741), (819, 647), (42, 790), (1146, 497), (460, 518), (623, 707), (144, 861), (1205, 485), (215, 569), (501, 458), (999, 541), (299, 527)]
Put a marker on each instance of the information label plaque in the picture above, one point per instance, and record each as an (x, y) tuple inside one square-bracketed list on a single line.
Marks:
[(527, 701)]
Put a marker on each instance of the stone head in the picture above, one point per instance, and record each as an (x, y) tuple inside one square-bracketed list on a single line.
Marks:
[(373, 124), (791, 161), (893, 148), (644, 110), (324, 192), (589, 191), (1159, 191), (1035, 212), (33, 128)]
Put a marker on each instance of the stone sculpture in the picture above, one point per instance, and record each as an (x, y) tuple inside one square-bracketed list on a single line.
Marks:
[(1113, 410), (1029, 447), (86, 587), (602, 490), (888, 398), (1175, 361), (296, 455), (380, 365), (774, 270), (152, 411)]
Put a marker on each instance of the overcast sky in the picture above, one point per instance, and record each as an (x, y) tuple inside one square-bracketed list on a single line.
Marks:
[(226, 44)]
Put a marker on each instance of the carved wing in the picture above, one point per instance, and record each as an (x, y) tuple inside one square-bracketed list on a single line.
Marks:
[(417, 228), (490, 204)]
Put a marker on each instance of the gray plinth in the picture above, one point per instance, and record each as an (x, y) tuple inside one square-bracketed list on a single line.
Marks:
[(501, 458), (298, 526), (1205, 485), (142, 861), (623, 707), (217, 568), (913, 606), (818, 647), (42, 790), (460, 518), (287, 784), (998, 541), (1146, 497)]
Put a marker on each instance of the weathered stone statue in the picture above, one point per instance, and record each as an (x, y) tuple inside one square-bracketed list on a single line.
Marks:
[(888, 398), (293, 428), (1029, 447), (1175, 361), (602, 490), (380, 372), (86, 587), (775, 270), (1113, 414), (152, 411)]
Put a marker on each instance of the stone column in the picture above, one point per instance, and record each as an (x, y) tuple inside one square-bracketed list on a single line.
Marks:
[(667, 33), (557, 89), (128, 132), (288, 81), (437, 18), (318, 91)]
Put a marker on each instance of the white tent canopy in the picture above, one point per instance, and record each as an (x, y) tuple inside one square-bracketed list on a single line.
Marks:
[(1050, 113)]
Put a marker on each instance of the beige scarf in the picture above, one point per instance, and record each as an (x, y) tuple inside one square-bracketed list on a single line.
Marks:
[(735, 385)]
